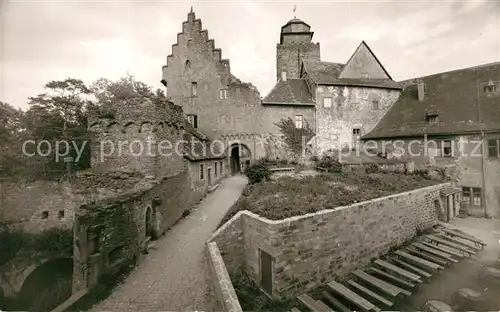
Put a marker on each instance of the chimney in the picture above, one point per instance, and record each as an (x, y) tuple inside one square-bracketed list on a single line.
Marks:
[(420, 90)]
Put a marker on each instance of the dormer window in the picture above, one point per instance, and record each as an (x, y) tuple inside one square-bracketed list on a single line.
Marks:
[(432, 119), (490, 87)]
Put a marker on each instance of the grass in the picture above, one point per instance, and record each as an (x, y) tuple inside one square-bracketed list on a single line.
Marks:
[(252, 299), (288, 197)]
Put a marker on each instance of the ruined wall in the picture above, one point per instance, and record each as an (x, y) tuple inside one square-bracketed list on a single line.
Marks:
[(352, 107), (141, 137), (312, 249), (195, 59), (37, 206)]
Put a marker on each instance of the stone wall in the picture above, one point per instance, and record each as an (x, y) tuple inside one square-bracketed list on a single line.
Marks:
[(195, 59), (312, 249), (395, 166), (221, 282), (199, 187), (36, 206), (352, 107)]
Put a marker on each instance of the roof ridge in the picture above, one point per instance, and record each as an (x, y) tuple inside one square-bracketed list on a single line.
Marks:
[(452, 70)]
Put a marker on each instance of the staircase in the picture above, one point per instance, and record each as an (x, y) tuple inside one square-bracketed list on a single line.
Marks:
[(387, 281)]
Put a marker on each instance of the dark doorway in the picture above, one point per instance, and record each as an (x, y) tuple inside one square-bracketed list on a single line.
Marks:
[(235, 159), (266, 272), (149, 226)]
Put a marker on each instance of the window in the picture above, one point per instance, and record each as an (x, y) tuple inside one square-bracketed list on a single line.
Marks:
[(223, 94), (193, 120), (45, 214), (187, 65), (493, 148), (298, 121), (476, 197), (201, 172), (490, 88), (61, 214), (194, 89), (431, 119), (375, 104), (466, 195), (221, 167), (215, 169), (327, 102), (447, 149), (356, 131), (471, 196), (283, 75)]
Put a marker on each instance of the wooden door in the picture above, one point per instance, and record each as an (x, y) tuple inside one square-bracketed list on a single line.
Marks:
[(266, 272)]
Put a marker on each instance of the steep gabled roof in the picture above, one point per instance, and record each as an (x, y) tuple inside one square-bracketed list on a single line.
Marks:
[(457, 98), (327, 73), (290, 92), (357, 59)]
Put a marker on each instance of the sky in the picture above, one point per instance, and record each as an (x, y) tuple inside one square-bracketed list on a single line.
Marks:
[(53, 40)]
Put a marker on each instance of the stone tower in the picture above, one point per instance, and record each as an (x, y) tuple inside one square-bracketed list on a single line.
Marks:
[(295, 45)]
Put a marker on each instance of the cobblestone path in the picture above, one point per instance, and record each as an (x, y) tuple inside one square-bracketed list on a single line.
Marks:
[(173, 276)]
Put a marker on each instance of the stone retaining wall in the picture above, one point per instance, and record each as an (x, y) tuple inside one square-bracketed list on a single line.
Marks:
[(312, 249), (221, 282)]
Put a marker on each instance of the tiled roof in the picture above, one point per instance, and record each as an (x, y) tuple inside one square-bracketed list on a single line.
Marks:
[(328, 73), (291, 91), (458, 99), (197, 146)]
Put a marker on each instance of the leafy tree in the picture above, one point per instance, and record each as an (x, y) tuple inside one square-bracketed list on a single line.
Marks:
[(295, 138), (61, 114), (11, 131)]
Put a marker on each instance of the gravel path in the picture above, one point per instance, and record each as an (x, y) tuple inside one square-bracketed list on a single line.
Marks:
[(173, 276)]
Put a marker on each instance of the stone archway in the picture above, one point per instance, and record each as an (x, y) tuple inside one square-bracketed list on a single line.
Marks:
[(239, 157), (46, 286)]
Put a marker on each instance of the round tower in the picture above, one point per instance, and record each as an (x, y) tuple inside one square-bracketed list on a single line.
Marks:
[(295, 46)]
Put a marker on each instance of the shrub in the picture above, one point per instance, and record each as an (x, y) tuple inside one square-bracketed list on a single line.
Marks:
[(257, 173), (330, 163), (371, 168)]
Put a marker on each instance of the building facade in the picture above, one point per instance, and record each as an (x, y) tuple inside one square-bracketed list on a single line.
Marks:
[(451, 122)]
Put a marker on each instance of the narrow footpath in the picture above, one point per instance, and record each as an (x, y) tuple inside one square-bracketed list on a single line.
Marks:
[(173, 276)]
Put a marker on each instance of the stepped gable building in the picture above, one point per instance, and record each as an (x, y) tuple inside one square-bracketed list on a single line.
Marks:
[(340, 102)]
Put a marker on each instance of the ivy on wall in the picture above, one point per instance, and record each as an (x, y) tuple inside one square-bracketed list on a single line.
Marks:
[(51, 243), (294, 137)]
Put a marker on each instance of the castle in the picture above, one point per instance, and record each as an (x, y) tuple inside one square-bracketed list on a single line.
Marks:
[(344, 105), (340, 102)]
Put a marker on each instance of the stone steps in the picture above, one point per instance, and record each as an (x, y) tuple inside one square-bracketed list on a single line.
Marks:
[(384, 283)]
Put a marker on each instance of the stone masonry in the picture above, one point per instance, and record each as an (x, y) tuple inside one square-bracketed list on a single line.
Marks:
[(333, 242)]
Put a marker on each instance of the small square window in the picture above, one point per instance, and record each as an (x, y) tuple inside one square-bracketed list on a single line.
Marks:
[(493, 147), (375, 104), (194, 89), (490, 88), (193, 120), (223, 94), (299, 121), (60, 214), (432, 119), (327, 102), (45, 214)]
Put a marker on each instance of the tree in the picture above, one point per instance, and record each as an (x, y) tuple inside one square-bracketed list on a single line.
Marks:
[(295, 138), (11, 128), (61, 114)]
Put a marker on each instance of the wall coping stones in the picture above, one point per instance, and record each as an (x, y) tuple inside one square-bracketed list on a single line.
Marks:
[(221, 280), (287, 221)]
